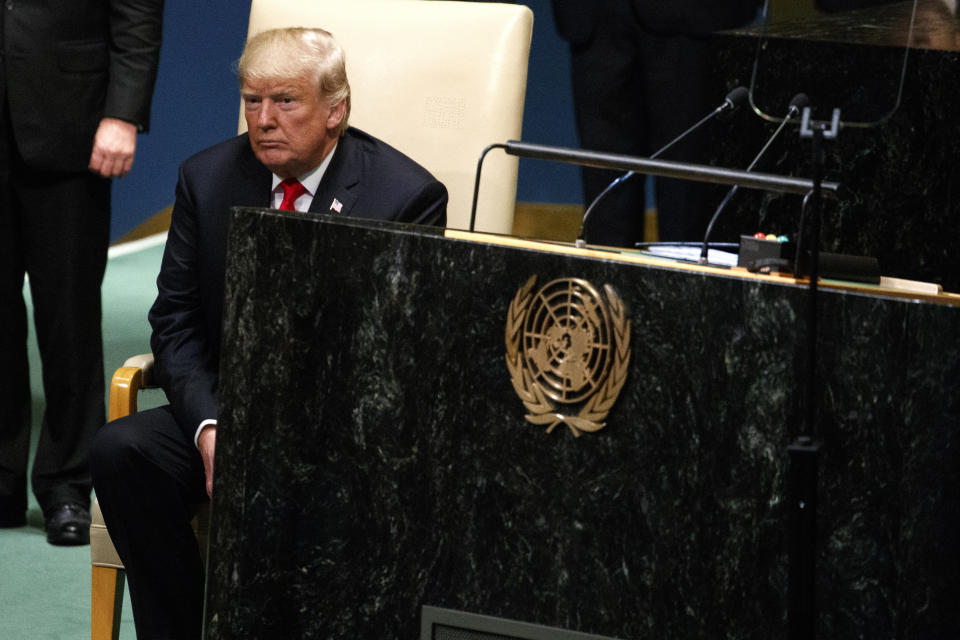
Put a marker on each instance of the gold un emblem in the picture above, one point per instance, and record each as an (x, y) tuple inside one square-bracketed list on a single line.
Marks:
[(566, 345)]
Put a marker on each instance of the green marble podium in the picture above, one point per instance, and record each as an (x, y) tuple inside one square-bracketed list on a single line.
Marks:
[(374, 456)]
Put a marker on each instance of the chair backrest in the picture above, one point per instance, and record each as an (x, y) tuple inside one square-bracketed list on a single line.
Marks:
[(439, 80)]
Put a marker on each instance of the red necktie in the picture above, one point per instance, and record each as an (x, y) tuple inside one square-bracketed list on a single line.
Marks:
[(292, 189)]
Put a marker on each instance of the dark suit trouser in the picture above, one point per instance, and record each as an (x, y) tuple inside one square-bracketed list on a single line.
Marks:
[(55, 228), (149, 478), (633, 92)]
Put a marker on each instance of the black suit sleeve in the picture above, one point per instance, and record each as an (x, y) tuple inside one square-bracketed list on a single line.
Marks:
[(69, 63), (135, 34), (186, 360), (427, 206)]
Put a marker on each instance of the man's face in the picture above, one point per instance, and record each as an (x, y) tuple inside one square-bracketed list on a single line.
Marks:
[(291, 129)]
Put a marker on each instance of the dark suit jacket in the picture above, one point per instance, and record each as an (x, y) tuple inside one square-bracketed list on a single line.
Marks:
[(371, 180), (68, 64), (577, 19)]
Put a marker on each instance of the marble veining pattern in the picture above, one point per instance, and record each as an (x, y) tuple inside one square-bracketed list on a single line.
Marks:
[(374, 457)]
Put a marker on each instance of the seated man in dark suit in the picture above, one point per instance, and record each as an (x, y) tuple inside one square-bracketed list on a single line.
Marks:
[(151, 468)]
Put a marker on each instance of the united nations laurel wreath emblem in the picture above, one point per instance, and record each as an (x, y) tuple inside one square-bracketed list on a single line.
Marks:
[(567, 345)]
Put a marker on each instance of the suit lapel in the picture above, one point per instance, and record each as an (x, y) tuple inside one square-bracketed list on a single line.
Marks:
[(339, 186)]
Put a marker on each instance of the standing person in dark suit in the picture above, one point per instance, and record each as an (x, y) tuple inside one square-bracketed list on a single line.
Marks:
[(150, 468), (76, 81), (640, 78)]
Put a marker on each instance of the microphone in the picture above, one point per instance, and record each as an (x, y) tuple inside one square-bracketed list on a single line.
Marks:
[(797, 104), (734, 100), (731, 103)]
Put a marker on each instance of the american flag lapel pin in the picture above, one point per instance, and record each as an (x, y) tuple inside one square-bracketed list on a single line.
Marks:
[(336, 205)]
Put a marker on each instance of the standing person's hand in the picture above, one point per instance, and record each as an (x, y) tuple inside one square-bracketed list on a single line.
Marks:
[(113, 148)]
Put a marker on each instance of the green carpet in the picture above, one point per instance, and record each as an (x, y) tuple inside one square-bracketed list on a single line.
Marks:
[(45, 590)]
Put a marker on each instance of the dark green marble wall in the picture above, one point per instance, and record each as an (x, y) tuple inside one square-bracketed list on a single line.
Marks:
[(374, 457)]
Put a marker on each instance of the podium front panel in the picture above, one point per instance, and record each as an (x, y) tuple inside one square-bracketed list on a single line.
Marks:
[(374, 455)]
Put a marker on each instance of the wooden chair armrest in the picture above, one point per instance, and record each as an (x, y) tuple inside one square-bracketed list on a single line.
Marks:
[(144, 362), (127, 381)]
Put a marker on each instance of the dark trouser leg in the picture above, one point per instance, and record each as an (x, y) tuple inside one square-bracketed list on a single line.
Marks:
[(635, 91), (148, 477), (66, 223), (14, 375), (680, 93), (608, 104)]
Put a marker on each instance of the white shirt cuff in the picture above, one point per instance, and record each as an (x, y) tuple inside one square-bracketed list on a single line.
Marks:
[(203, 425)]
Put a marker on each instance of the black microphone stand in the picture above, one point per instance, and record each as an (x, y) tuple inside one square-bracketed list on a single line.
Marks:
[(805, 451)]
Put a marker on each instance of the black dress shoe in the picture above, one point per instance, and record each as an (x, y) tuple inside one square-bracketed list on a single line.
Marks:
[(68, 524)]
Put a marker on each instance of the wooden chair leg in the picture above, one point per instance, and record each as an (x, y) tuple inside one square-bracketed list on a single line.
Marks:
[(106, 602)]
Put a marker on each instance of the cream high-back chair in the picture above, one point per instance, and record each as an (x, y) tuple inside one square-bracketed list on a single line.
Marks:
[(438, 80)]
